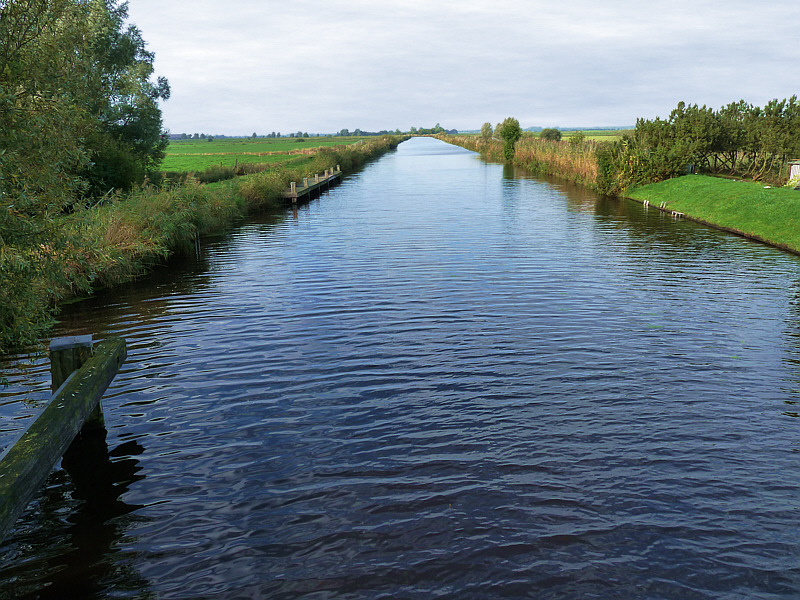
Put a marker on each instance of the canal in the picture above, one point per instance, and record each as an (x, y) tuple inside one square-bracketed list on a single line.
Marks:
[(442, 379)]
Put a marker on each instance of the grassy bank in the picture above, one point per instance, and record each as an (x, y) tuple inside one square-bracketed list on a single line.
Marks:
[(769, 215), (121, 238)]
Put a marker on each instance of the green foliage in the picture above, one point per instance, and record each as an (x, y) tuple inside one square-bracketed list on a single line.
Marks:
[(77, 117), (128, 128), (486, 132), (576, 140), (552, 135), (43, 87), (510, 132), (739, 139)]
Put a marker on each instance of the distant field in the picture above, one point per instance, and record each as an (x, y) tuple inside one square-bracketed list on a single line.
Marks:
[(197, 155), (600, 135), (192, 162)]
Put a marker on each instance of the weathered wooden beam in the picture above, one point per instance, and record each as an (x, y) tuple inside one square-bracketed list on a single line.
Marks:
[(24, 466)]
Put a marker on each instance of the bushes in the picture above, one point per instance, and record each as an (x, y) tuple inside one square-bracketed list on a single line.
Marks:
[(551, 135)]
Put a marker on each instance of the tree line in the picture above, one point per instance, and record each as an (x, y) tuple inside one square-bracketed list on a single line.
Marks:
[(739, 139)]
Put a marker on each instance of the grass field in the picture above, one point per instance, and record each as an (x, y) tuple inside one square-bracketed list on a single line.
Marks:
[(197, 155), (599, 135), (771, 215)]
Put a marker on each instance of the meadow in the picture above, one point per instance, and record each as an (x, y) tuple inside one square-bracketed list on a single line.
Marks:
[(599, 135), (197, 155)]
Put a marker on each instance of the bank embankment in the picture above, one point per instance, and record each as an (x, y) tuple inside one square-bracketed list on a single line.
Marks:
[(123, 238), (126, 235), (763, 213)]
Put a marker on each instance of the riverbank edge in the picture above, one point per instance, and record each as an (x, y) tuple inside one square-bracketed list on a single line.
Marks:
[(653, 195), (128, 235), (203, 210), (763, 214)]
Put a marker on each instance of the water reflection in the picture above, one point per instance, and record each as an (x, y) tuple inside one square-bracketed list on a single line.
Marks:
[(85, 521)]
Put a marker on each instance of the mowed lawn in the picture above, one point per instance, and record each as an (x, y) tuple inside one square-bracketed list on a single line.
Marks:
[(197, 155), (753, 209)]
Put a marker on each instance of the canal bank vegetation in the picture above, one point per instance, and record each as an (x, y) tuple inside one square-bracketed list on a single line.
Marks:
[(105, 243), (740, 140), (743, 151), (573, 159)]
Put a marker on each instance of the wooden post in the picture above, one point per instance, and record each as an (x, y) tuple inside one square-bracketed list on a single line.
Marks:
[(316, 177), (293, 187), (305, 181), (67, 355), (25, 465)]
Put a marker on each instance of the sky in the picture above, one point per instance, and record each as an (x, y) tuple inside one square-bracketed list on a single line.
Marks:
[(258, 66)]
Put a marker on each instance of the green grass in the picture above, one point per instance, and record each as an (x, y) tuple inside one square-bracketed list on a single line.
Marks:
[(771, 215), (197, 155), (599, 135), (185, 163)]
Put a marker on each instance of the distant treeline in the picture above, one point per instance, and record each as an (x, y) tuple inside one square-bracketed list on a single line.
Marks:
[(343, 133)]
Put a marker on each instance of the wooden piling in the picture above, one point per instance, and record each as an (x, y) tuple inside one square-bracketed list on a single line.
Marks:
[(25, 465), (310, 188)]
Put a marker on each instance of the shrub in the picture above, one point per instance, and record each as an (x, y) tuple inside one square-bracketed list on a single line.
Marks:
[(552, 135)]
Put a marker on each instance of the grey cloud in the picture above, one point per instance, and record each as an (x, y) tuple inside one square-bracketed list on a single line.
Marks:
[(356, 63)]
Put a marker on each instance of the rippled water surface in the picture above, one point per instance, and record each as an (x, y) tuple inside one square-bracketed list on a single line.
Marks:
[(442, 379)]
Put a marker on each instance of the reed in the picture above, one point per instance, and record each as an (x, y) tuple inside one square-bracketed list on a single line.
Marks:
[(574, 159)]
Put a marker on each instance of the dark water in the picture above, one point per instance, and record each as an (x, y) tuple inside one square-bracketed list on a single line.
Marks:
[(441, 380)]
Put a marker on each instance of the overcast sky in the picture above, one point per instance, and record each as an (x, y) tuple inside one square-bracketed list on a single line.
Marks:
[(320, 66)]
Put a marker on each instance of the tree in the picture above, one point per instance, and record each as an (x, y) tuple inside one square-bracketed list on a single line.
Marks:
[(43, 118), (254, 135), (486, 132), (550, 134), (128, 140), (76, 108), (510, 132)]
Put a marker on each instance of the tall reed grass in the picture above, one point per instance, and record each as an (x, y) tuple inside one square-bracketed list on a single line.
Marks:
[(573, 159)]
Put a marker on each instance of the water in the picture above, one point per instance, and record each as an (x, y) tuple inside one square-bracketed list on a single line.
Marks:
[(443, 379)]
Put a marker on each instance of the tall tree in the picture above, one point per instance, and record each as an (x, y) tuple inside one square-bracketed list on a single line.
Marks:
[(510, 131), (486, 132), (44, 87), (128, 141)]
